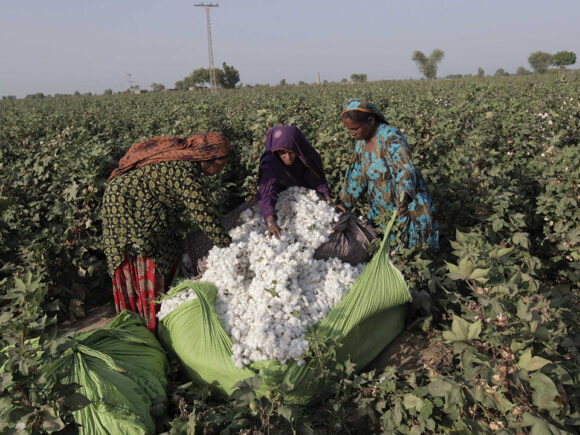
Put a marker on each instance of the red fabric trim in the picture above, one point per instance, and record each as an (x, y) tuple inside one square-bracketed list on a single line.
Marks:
[(136, 285)]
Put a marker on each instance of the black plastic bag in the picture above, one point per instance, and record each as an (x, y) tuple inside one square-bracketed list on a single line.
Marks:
[(349, 241)]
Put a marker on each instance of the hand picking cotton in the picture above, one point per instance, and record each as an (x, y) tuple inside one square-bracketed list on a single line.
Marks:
[(271, 290)]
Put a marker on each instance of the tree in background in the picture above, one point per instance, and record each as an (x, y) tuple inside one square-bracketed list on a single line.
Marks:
[(199, 77), (521, 71), (282, 82), (108, 92), (480, 72), (500, 72), (226, 78), (428, 65), (563, 59), (157, 87), (230, 77), (358, 78), (540, 61)]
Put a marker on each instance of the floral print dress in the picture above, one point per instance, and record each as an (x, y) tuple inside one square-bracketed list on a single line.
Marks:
[(141, 210), (383, 175)]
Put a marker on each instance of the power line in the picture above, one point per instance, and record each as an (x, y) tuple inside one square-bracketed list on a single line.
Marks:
[(209, 44), (131, 81)]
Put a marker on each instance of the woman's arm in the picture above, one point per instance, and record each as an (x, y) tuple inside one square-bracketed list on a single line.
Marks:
[(267, 196), (189, 191)]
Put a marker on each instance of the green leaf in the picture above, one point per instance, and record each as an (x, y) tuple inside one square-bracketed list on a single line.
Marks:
[(479, 275), (466, 267), (349, 367), (5, 317), (462, 330), (474, 330), (521, 239), (503, 404), (51, 422), (287, 412), (243, 395), (497, 224), (545, 392), (460, 327), (439, 387), (254, 382), (462, 270), (516, 347), (523, 311), (530, 363), (412, 402), (504, 251), (76, 401), (180, 426), (540, 426)]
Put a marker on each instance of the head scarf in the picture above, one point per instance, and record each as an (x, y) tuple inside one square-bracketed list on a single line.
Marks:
[(200, 146), (363, 106), (290, 138)]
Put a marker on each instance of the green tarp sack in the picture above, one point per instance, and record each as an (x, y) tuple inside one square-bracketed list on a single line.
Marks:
[(368, 318), (121, 369)]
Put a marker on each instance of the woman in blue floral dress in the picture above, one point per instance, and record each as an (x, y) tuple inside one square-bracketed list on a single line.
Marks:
[(382, 169)]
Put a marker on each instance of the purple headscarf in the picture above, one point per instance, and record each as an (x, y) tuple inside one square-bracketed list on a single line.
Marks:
[(274, 176)]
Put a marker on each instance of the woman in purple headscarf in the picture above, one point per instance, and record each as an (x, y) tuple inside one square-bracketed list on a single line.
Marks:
[(289, 160)]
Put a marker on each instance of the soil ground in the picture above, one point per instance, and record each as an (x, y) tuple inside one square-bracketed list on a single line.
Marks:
[(413, 350), (410, 351), (96, 317)]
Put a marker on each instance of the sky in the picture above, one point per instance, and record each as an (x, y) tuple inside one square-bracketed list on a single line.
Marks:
[(63, 46)]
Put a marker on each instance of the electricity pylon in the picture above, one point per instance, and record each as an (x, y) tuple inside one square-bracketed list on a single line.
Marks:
[(209, 45)]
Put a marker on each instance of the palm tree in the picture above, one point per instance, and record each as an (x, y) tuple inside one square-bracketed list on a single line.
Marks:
[(428, 65)]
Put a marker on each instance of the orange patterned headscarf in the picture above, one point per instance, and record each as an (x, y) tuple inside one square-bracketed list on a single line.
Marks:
[(200, 146)]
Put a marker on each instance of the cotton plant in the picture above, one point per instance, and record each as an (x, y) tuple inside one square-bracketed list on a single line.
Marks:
[(271, 290)]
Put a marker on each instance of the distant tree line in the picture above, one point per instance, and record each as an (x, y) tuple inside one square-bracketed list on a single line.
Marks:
[(228, 77), (539, 61)]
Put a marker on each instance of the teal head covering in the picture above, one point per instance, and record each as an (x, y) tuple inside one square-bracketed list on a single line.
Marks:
[(363, 106)]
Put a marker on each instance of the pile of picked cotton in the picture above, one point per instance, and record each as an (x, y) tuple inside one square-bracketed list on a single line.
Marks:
[(271, 290)]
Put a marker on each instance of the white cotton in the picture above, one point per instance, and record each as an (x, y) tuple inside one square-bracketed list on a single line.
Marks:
[(169, 304), (271, 290)]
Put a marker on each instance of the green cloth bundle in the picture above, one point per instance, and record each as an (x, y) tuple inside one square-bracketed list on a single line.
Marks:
[(122, 370)]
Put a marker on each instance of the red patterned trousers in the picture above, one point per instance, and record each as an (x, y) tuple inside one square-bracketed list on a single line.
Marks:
[(136, 285)]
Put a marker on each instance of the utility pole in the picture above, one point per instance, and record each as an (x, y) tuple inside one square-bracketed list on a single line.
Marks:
[(130, 82), (209, 45)]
